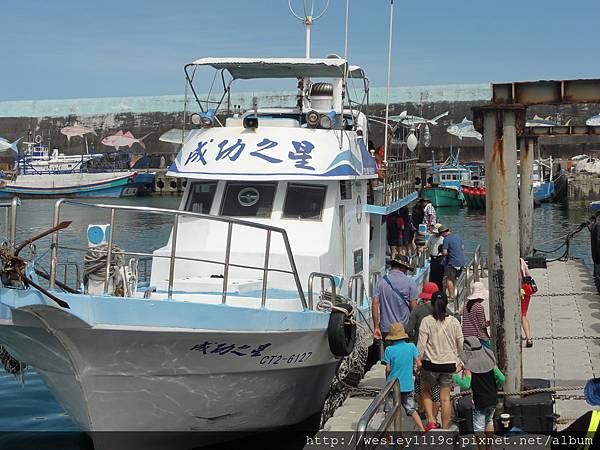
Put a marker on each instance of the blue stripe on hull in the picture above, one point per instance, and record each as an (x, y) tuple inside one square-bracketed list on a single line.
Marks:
[(110, 189)]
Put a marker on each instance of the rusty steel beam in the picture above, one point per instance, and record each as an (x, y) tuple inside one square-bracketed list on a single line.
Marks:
[(499, 127), (547, 92), (562, 130)]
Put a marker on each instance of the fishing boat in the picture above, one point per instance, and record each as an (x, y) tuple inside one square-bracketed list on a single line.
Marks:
[(543, 180), (252, 302), (448, 177), (542, 185), (42, 174)]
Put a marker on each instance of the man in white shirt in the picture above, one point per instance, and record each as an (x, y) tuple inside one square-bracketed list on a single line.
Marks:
[(429, 217)]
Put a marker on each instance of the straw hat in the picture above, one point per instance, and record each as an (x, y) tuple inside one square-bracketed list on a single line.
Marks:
[(478, 292), (402, 260), (477, 358), (436, 228), (428, 290), (396, 332), (443, 229)]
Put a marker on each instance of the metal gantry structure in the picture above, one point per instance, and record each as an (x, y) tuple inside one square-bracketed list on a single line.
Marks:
[(502, 123)]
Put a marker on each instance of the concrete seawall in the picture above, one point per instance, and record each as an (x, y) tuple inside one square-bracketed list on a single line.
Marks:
[(143, 115)]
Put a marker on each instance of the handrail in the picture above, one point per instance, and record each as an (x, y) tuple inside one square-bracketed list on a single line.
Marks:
[(392, 417), (354, 292), (373, 280), (473, 271), (176, 216), (323, 277)]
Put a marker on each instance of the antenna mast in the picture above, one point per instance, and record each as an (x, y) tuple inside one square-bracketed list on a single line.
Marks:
[(387, 95), (308, 18)]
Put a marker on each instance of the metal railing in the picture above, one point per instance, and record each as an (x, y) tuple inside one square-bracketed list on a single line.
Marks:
[(172, 257), (393, 417), (356, 291), (399, 179), (322, 277), (65, 276), (373, 280), (473, 271), (10, 220)]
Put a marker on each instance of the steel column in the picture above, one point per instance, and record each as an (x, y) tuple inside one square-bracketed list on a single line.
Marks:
[(526, 196), (500, 142)]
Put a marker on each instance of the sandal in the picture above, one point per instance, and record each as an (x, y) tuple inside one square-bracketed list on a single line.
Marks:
[(529, 343)]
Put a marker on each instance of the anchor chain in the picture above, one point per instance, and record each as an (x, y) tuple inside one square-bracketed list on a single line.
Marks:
[(551, 338), (562, 294)]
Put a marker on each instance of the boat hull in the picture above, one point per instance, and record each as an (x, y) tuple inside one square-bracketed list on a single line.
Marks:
[(112, 377), (443, 196), (82, 185), (543, 192)]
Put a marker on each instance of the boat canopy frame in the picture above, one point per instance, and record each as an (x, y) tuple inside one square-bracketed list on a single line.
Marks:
[(274, 68)]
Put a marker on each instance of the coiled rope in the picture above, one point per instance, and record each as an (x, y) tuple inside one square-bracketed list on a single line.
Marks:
[(94, 266)]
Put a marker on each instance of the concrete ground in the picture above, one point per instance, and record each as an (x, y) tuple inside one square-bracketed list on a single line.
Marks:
[(565, 322)]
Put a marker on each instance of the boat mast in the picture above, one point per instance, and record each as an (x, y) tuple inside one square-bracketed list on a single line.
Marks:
[(387, 95)]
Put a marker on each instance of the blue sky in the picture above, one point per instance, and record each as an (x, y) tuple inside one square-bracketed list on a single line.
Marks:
[(71, 49)]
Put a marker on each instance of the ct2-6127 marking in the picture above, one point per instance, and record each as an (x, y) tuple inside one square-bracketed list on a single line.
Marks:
[(280, 359)]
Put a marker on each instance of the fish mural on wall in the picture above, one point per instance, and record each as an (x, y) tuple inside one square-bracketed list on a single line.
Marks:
[(121, 139), (593, 121), (76, 130), (464, 129), (6, 145)]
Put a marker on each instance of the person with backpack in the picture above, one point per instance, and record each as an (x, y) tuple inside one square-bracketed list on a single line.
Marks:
[(394, 298), (482, 376), (527, 291), (474, 322)]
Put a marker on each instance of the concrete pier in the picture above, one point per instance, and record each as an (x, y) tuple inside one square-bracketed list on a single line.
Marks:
[(565, 322)]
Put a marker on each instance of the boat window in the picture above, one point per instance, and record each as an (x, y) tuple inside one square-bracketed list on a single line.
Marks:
[(201, 197), (346, 189), (304, 201), (248, 199)]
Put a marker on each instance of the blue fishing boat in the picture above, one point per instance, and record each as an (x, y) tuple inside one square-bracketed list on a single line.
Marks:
[(44, 174)]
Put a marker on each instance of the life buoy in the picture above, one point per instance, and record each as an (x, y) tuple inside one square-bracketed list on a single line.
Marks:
[(341, 333)]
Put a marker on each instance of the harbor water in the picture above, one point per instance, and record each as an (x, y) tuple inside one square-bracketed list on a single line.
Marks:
[(31, 408)]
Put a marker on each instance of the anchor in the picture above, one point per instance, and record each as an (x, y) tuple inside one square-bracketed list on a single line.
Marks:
[(13, 268)]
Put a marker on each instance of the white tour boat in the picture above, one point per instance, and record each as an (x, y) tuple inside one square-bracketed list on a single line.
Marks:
[(242, 323)]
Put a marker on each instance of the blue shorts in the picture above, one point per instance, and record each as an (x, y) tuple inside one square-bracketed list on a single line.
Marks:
[(407, 399), (483, 418)]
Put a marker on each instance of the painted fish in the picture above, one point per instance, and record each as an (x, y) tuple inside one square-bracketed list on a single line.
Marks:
[(120, 139), (76, 130), (175, 136), (409, 121), (538, 121), (593, 121), (464, 129), (6, 145)]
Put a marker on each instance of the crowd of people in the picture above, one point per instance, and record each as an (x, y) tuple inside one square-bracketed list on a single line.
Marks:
[(429, 349)]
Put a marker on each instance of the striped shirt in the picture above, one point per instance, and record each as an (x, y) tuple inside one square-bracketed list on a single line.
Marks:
[(474, 322), (429, 212)]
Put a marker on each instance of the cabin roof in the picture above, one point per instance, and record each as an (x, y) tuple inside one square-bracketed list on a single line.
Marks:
[(247, 68)]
